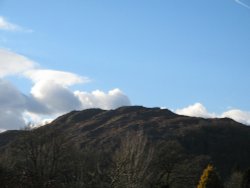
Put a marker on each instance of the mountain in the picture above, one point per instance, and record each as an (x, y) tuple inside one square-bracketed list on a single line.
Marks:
[(225, 142)]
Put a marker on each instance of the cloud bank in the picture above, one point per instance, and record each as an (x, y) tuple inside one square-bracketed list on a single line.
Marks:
[(199, 110), (50, 94)]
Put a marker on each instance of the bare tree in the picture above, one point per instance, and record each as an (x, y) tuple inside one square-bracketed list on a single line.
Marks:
[(84, 168), (40, 154), (166, 164), (235, 180), (132, 161)]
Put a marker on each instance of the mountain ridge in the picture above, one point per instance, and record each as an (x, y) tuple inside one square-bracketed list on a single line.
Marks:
[(130, 116)]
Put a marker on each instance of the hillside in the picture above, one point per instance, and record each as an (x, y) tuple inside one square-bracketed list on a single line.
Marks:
[(223, 142), (100, 126)]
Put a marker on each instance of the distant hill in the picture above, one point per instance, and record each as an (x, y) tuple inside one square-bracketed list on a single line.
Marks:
[(224, 141)]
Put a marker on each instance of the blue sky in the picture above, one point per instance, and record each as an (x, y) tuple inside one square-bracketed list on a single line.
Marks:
[(165, 53)]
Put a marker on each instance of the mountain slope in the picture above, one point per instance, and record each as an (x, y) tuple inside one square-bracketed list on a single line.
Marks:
[(225, 141)]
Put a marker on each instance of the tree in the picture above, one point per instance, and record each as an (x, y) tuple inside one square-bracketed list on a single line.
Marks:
[(210, 178), (246, 179), (44, 159), (167, 160), (84, 168), (8, 175), (40, 155), (235, 180), (131, 162)]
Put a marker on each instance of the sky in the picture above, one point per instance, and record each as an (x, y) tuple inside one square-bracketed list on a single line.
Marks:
[(192, 57)]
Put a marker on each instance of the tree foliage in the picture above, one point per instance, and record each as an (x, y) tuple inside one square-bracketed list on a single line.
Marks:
[(210, 178)]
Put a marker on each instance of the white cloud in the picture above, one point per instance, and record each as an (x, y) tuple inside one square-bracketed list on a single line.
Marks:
[(99, 99), (35, 120), (242, 4), (57, 77), (45, 80), (51, 89), (198, 110), (56, 98), (12, 63), (49, 96), (8, 26), (5, 25), (238, 115), (195, 110)]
